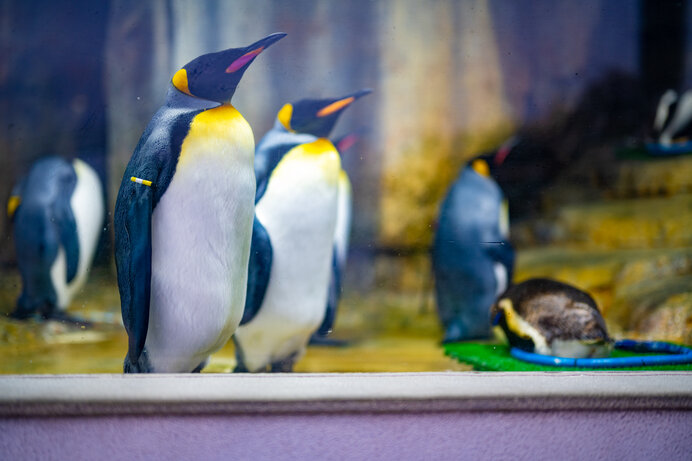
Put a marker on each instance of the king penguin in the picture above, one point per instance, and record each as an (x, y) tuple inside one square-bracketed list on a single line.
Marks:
[(183, 218), (551, 318), (342, 233), (58, 214), (673, 121), (292, 256), (472, 258)]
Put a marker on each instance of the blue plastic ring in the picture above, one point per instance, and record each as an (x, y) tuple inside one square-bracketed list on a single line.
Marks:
[(673, 149), (675, 355)]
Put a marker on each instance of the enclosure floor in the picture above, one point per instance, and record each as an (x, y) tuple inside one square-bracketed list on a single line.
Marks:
[(384, 334)]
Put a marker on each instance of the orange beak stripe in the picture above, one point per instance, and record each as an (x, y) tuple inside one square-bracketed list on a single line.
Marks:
[(335, 106)]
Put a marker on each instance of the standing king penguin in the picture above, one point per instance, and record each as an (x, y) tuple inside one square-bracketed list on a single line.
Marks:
[(58, 213), (472, 258), (292, 256), (342, 232), (183, 219)]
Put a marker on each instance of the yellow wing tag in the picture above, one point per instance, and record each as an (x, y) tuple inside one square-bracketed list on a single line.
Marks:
[(141, 181)]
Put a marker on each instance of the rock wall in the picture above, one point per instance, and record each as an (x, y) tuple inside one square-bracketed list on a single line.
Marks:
[(450, 78)]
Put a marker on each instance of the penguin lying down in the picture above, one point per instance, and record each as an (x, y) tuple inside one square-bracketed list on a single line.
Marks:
[(551, 318)]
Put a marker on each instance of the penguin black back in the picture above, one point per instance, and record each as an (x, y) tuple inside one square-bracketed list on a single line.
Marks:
[(44, 222), (472, 258)]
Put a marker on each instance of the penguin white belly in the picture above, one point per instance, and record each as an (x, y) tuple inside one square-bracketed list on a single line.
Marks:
[(343, 219), (201, 232), (500, 278), (298, 211), (58, 275), (87, 207), (579, 349)]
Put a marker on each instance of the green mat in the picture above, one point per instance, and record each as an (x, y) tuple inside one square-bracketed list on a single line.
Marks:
[(495, 357)]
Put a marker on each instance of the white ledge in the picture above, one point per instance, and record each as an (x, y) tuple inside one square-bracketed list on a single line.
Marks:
[(383, 392)]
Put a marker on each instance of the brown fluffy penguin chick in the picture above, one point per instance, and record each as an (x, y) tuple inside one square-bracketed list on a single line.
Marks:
[(551, 318)]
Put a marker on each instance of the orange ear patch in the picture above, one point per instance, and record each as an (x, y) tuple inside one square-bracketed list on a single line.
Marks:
[(481, 167), (285, 115), (335, 106), (12, 205), (179, 81)]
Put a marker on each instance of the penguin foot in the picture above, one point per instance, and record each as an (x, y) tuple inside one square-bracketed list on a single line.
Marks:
[(240, 368), (141, 365), (64, 317), (21, 314), (455, 333), (200, 367), (285, 365)]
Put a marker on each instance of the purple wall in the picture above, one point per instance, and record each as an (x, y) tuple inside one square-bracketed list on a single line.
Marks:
[(566, 435)]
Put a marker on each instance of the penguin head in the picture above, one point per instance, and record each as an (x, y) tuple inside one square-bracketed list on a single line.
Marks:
[(316, 116), (496, 314), (518, 332), (481, 167), (215, 76), (501, 155), (489, 163)]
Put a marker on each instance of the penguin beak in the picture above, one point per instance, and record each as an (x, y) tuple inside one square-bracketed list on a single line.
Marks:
[(346, 142), (253, 51), (495, 314), (505, 149), (496, 319), (342, 103)]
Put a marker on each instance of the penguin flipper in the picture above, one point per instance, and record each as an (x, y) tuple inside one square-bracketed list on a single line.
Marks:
[(133, 260), (265, 163), (333, 297), (259, 270), (503, 252), (67, 230)]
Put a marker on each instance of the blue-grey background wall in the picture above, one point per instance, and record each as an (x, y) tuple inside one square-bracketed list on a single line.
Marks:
[(450, 79)]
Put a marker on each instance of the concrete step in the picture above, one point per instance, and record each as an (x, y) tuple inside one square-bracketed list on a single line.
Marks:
[(632, 223), (653, 177)]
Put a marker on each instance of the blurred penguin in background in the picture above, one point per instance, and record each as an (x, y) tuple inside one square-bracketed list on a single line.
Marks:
[(292, 256), (523, 167), (472, 258), (342, 235), (58, 215), (673, 121)]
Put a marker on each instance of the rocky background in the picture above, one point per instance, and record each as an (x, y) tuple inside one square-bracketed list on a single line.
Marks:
[(577, 81)]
